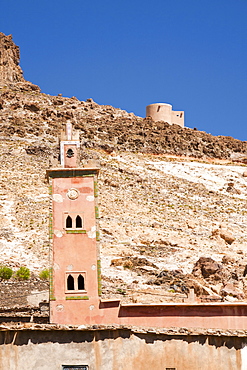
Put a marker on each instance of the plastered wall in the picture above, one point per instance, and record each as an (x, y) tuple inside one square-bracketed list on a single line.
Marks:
[(119, 350)]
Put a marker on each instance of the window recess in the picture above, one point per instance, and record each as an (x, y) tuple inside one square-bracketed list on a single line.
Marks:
[(75, 281), (74, 223)]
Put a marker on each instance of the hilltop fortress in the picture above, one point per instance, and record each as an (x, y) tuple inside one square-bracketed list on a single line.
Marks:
[(164, 112)]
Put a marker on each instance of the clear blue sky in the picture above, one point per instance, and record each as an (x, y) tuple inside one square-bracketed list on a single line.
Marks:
[(191, 54)]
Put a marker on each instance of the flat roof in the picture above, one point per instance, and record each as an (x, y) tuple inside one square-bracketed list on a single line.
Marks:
[(172, 331)]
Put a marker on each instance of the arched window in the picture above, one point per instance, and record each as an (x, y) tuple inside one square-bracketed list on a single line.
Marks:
[(78, 222), (70, 283), (80, 281), (68, 222), (70, 153)]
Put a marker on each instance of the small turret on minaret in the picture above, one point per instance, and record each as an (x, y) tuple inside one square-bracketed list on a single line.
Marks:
[(69, 147)]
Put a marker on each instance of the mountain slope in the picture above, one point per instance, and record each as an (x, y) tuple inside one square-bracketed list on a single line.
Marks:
[(168, 195)]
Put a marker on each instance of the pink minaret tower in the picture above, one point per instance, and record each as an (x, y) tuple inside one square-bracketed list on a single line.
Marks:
[(75, 275)]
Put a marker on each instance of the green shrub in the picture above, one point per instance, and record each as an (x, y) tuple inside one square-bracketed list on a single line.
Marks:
[(44, 274), (5, 272), (121, 291), (23, 273)]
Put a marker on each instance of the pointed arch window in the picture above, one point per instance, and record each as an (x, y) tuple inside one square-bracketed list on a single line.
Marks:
[(80, 282), (70, 283), (78, 222), (68, 222)]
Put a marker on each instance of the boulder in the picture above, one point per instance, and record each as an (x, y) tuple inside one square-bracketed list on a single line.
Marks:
[(227, 236), (245, 271), (206, 267), (227, 260), (230, 290), (224, 234), (191, 224)]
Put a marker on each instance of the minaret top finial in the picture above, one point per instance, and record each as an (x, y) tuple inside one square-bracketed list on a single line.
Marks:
[(69, 131), (69, 145)]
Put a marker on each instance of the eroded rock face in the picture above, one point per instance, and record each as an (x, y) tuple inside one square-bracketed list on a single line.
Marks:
[(11, 74), (10, 70)]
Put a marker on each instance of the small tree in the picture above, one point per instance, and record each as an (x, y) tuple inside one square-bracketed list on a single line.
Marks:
[(23, 273), (5, 272)]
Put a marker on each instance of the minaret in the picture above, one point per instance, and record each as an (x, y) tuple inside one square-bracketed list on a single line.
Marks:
[(75, 276)]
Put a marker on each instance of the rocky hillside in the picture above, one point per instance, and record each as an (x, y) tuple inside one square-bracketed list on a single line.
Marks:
[(172, 200)]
